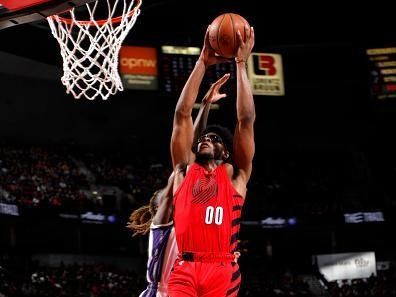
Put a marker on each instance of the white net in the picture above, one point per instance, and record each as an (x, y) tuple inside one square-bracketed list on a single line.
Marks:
[(90, 48)]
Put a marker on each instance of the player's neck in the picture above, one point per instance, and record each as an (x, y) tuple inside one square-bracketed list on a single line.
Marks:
[(210, 165)]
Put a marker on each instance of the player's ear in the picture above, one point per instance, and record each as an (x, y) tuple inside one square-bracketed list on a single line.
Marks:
[(226, 155)]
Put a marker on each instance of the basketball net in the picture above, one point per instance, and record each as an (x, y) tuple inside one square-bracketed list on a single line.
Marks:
[(90, 47)]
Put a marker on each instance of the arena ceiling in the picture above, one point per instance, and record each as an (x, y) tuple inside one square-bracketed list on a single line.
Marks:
[(277, 24)]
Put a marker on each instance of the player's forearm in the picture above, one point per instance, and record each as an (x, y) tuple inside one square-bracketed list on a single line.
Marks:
[(201, 120), (190, 91), (164, 211), (245, 104)]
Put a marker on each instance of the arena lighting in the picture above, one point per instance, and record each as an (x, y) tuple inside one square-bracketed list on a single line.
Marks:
[(213, 106), (90, 217), (9, 209), (364, 217), (382, 72), (272, 222), (111, 219), (97, 218), (180, 50), (388, 71), (381, 51), (279, 222)]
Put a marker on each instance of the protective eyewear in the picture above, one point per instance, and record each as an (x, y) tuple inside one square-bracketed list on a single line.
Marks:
[(213, 138)]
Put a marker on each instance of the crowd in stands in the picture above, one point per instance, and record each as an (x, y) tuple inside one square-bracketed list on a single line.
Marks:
[(280, 283), (34, 280), (137, 179), (68, 281), (382, 285), (36, 177), (39, 177), (316, 183), (326, 182), (30, 279)]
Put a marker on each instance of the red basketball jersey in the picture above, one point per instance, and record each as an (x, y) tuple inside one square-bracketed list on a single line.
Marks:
[(207, 211)]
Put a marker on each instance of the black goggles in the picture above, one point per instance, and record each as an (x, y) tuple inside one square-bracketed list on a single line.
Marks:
[(213, 138)]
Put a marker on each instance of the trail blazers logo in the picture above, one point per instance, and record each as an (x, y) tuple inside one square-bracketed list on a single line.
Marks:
[(266, 74)]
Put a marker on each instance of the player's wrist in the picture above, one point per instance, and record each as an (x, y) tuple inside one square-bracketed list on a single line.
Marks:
[(241, 65), (201, 62)]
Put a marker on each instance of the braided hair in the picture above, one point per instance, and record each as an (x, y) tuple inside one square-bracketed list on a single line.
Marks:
[(141, 218)]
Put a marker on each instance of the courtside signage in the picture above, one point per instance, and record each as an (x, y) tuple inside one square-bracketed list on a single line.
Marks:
[(265, 73), (347, 265), (139, 67)]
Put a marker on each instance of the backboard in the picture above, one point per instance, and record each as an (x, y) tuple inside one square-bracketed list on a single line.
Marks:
[(25, 11)]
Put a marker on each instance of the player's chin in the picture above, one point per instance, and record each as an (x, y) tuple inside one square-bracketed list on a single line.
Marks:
[(204, 155)]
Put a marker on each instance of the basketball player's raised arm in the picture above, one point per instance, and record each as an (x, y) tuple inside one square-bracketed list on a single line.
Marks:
[(244, 146), (212, 95), (182, 134)]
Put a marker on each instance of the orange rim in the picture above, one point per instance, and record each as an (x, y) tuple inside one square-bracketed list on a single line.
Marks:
[(98, 22)]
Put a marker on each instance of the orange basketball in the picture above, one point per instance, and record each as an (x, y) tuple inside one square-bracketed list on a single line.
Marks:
[(223, 33)]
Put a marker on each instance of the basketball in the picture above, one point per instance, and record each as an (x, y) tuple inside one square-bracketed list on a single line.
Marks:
[(223, 33)]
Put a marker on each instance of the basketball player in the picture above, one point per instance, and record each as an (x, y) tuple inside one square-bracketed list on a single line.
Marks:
[(210, 191), (156, 217)]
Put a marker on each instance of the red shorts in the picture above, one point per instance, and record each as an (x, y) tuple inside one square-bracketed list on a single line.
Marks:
[(209, 278)]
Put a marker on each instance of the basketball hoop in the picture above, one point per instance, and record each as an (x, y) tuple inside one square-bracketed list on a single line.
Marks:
[(90, 47)]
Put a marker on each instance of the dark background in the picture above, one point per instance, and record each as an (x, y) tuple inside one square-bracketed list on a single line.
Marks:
[(326, 130)]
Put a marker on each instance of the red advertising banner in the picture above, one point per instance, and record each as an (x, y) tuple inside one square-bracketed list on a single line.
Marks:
[(139, 67), (138, 60)]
